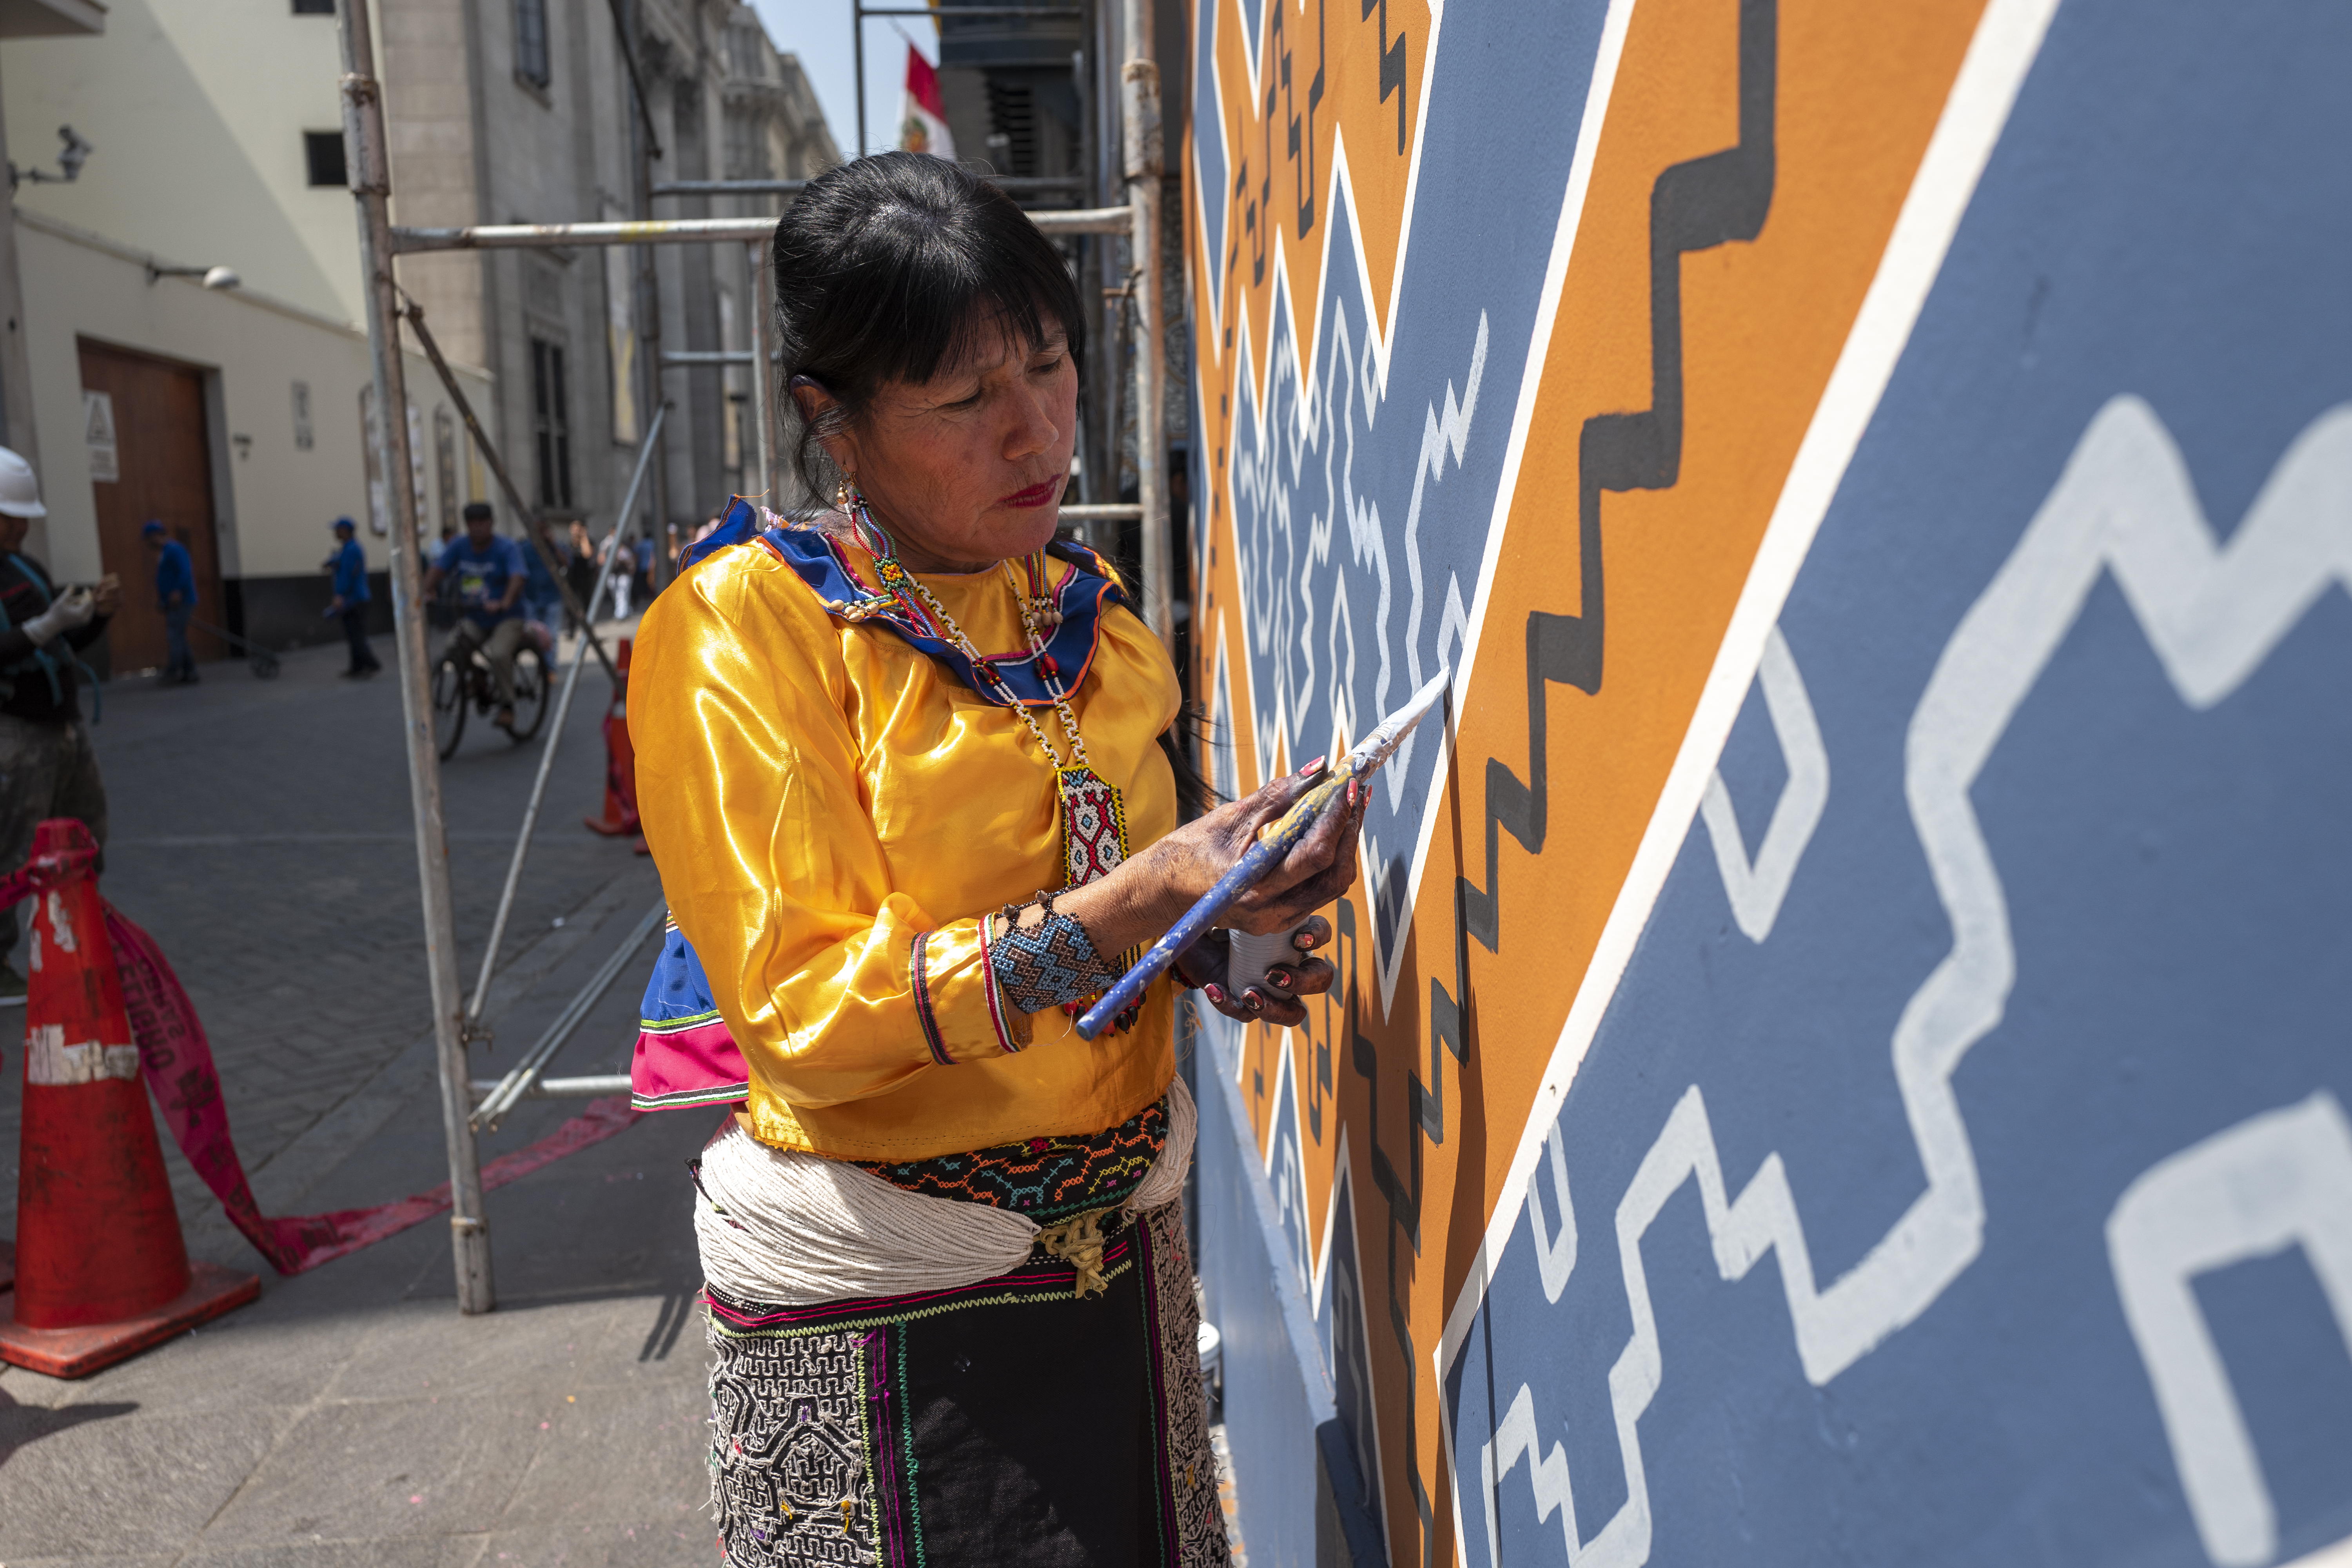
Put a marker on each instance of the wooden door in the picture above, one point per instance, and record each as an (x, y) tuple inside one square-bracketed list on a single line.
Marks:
[(163, 471)]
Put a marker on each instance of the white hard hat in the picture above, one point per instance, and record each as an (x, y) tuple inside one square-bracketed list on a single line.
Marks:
[(20, 492)]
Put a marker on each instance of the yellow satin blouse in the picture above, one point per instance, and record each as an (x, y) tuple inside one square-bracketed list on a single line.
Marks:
[(817, 793)]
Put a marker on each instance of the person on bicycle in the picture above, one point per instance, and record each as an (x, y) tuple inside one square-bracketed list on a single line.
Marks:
[(490, 575)]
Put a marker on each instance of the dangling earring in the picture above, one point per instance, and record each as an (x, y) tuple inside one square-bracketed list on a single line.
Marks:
[(851, 500)]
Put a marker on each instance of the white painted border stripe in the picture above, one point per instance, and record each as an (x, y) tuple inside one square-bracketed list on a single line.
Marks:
[(1598, 92), (2336, 1556), (2008, 38)]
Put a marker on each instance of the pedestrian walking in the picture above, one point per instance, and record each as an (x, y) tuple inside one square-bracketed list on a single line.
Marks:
[(620, 575), (580, 570), (47, 766), (175, 596), (349, 563), (489, 573)]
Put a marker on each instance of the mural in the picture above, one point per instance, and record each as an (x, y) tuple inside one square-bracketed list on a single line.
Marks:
[(1842, 1048)]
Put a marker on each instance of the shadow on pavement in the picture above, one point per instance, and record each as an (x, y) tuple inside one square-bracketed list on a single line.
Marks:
[(24, 1424)]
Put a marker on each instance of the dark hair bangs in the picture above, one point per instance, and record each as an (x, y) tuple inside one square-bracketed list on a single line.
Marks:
[(896, 268), (924, 300)]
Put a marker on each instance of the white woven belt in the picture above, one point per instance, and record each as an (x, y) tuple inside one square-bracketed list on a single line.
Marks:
[(783, 1227)]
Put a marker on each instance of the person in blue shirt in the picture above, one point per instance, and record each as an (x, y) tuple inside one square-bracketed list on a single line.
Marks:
[(349, 563), (490, 575), (542, 601), (175, 596)]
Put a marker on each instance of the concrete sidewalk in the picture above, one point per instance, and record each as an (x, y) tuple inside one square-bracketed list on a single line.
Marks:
[(351, 1416)]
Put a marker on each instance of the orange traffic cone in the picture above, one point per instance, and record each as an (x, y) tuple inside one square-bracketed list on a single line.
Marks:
[(620, 758), (101, 1271)]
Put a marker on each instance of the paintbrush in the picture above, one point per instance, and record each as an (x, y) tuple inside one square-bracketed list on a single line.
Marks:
[(1275, 840)]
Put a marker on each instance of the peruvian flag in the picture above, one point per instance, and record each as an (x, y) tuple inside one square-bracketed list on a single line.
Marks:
[(924, 128)]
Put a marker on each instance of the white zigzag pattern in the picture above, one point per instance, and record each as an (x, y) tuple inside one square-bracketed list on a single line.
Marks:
[(1279, 599), (2212, 612)]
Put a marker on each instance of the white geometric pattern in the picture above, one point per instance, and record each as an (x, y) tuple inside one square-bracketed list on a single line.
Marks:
[(1755, 887), (2211, 610)]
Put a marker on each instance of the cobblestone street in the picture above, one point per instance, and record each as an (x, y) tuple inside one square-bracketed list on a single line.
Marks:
[(260, 832)]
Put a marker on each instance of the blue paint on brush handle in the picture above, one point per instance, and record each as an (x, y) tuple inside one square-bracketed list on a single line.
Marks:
[(1273, 844), (1256, 862)]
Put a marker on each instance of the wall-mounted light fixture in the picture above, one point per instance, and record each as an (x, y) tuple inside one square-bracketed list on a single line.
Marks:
[(214, 277), (70, 158)]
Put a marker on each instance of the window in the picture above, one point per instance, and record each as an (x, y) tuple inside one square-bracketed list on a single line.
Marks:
[(551, 423), (746, 146), (323, 151), (530, 41), (314, 7)]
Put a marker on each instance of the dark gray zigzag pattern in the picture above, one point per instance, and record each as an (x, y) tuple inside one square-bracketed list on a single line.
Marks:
[(1694, 205)]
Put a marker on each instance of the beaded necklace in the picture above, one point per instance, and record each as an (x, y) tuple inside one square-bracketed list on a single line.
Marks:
[(1094, 815)]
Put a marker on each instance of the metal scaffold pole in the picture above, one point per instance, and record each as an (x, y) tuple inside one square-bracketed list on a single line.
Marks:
[(763, 295), (1140, 117), (858, 69), (369, 161)]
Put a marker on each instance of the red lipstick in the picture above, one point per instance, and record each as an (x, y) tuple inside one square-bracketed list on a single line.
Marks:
[(1034, 496)]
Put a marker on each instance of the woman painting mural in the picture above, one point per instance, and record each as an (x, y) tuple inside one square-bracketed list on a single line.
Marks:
[(905, 767)]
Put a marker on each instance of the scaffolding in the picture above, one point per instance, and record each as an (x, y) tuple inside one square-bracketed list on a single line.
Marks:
[(467, 1104)]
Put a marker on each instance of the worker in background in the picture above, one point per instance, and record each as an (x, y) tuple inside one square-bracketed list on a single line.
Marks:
[(349, 563), (47, 766), (175, 596), (490, 575)]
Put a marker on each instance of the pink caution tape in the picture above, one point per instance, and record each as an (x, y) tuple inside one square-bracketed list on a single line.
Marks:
[(177, 1060)]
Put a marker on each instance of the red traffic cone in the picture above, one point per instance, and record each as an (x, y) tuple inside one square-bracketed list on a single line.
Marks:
[(101, 1271), (620, 758)]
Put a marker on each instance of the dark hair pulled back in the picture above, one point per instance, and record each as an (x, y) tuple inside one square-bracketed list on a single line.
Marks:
[(892, 268)]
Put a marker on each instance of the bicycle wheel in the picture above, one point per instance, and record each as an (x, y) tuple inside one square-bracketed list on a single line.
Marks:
[(448, 705), (530, 684)]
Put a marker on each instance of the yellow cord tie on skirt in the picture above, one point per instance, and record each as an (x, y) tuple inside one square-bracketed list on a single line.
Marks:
[(1079, 1242)]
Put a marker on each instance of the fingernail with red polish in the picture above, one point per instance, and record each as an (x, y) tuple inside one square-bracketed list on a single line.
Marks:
[(1351, 792), (1303, 940), (1215, 992), (1278, 978), (1311, 769), (1253, 1001)]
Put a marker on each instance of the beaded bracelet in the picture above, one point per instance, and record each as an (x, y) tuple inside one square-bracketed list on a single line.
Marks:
[(1048, 964)]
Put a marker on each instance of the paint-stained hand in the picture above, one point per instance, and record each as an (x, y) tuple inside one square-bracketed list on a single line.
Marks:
[(1276, 997), (1319, 868)]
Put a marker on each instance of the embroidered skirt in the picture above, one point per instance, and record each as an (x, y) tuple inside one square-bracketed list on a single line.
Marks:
[(1013, 1421)]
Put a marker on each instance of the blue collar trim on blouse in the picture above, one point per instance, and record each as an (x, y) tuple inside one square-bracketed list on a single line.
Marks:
[(1083, 597)]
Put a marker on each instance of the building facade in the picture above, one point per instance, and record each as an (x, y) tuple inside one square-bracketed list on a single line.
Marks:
[(236, 414), (232, 414), (514, 110)]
